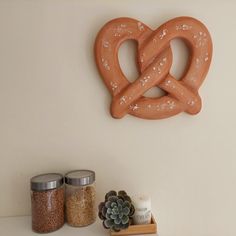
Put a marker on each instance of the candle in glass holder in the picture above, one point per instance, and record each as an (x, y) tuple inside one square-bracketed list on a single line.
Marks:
[(142, 205)]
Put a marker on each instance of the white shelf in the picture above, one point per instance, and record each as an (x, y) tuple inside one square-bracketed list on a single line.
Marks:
[(21, 226)]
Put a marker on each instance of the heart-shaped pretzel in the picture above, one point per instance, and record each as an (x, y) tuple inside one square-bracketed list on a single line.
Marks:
[(154, 62)]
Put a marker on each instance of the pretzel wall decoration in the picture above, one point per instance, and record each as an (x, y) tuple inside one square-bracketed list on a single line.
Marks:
[(154, 62)]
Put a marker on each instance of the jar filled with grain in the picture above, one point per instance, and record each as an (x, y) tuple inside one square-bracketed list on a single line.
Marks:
[(47, 202), (80, 197)]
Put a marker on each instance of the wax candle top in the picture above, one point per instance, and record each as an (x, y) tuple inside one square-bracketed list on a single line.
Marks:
[(141, 201)]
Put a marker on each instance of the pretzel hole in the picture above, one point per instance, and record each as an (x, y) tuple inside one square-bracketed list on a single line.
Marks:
[(154, 92), (127, 56), (181, 56)]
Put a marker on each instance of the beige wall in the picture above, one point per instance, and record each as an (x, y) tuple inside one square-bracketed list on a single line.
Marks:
[(54, 113)]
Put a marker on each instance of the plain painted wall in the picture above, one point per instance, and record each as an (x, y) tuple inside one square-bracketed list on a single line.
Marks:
[(55, 113)]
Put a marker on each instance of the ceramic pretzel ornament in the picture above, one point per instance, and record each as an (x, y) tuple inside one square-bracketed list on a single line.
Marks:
[(154, 60)]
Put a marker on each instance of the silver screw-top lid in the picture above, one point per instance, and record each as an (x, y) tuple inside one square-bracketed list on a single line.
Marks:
[(80, 177), (46, 181)]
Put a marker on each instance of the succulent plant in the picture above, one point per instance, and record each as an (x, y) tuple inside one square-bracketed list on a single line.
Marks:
[(116, 211)]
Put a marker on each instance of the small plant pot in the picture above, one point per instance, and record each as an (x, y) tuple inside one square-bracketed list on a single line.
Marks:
[(138, 229)]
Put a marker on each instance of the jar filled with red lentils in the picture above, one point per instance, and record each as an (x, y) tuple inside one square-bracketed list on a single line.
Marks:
[(47, 202), (80, 198)]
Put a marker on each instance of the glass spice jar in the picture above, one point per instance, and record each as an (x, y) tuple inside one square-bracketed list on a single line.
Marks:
[(47, 202), (80, 198)]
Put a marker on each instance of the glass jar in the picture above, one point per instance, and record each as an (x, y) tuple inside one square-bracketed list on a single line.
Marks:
[(47, 202), (80, 198)]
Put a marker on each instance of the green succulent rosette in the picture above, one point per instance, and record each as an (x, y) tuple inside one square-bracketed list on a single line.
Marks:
[(116, 211)]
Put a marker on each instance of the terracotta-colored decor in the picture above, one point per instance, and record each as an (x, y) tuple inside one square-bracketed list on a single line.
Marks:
[(154, 61)]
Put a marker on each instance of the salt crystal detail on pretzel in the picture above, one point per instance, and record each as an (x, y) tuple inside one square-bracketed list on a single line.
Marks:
[(154, 62)]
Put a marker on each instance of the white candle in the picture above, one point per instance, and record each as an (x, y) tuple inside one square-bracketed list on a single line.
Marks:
[(142, 205)]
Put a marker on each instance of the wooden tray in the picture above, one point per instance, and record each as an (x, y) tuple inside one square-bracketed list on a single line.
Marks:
[(138, 229)]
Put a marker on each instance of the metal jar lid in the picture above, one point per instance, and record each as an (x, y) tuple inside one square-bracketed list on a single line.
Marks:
[(80, 177), (46, 181)]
